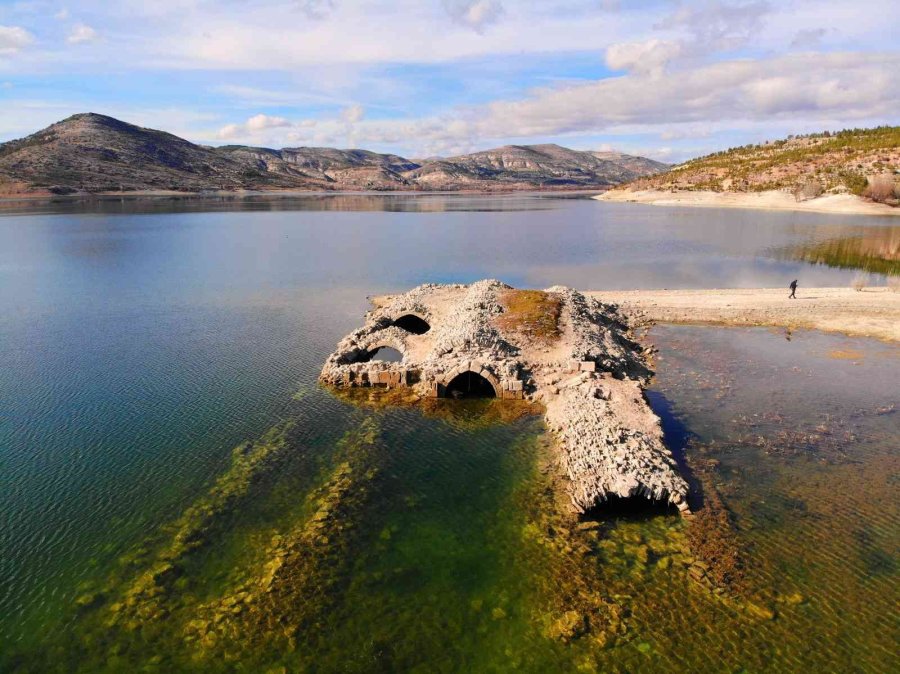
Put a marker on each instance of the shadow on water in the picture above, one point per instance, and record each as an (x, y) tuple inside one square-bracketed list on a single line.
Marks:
[(677, 437), (631, 509)]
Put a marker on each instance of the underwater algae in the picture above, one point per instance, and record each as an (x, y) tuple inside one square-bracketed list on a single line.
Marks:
[(280, 601), (438, 539)]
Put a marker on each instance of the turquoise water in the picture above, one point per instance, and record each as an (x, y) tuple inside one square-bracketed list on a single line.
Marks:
[(140, 342)]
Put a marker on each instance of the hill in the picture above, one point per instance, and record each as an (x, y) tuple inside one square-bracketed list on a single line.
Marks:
[(862, 162), (529, 166), (91, 153)]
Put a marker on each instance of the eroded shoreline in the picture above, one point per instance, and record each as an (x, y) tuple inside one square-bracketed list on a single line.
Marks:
[(772, 200), (872, 312)]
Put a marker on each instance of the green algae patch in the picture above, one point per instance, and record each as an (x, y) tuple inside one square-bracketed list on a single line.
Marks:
[(567, 598), (144, 598), (303, 570), (469, 415)]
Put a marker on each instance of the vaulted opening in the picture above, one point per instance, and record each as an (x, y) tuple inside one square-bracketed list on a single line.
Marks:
[(385, 354), (412, 323), (470, 385), (630, 508)]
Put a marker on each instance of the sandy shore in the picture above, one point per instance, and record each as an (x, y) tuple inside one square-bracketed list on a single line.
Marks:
[(772, 200), (873, 312)]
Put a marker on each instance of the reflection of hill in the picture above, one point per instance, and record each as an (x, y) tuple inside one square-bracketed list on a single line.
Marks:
[(284, 201), (877, 250), (462, 414)]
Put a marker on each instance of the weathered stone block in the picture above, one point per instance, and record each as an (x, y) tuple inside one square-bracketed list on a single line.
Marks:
[(588, 366)]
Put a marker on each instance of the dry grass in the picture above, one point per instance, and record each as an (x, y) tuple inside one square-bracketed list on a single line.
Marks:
[(893, 283), (532, 313)]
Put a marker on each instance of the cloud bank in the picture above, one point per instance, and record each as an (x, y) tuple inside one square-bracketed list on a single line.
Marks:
[(443, 76)]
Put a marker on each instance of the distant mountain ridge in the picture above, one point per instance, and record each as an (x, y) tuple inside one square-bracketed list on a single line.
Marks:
[(92, 153)]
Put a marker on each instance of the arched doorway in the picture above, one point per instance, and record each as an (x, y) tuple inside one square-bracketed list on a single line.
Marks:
[(469, 385), (412, 323)]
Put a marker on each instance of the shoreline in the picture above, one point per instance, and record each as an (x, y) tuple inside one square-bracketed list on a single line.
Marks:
[(241, 194), (773, 200), (872, 312)]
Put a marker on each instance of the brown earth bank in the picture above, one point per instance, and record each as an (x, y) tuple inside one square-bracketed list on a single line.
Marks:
[(871, 312)]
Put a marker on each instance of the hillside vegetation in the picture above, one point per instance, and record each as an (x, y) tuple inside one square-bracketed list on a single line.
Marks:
[(865, 162)]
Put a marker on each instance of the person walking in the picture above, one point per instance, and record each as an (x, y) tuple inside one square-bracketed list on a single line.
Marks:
[(793, 287)]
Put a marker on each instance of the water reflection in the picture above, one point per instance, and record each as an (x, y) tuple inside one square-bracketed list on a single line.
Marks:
[(875, 250), (288, 201)]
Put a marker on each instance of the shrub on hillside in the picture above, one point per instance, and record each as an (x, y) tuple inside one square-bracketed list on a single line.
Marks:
[(881, 188), (855, 182), (808, 190)]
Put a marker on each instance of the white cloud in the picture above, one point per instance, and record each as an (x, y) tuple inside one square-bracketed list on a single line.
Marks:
[(651, 56), (316, 9), (252, 127), (353, 114), (474, 14), (838, 85), (62, 14), (81, 33), (263, 122), (809, 91), (719, 26), (704, 28), (6, 85), (13, 39), (808, 38)]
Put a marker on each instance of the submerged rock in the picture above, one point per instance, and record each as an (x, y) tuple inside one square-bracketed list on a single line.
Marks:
[(570, 352)]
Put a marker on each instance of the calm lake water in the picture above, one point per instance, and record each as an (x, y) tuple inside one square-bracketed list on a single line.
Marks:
[(142, 341)]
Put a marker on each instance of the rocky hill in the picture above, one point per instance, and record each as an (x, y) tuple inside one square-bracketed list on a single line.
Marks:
[(640, 166), (91, 153), (530, 166), (864, 162)]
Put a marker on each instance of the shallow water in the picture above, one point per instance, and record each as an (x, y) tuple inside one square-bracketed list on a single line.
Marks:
[(140, 344)]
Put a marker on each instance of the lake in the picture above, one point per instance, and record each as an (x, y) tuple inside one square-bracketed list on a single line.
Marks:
[(142, 341)]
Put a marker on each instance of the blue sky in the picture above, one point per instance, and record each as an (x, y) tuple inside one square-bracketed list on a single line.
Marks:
[(663, 78)]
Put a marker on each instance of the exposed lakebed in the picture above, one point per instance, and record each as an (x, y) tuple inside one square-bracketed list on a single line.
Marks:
[(139, 523)]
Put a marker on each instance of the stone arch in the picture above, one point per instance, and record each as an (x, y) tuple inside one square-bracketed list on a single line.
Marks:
[(366, 353), (468, 383), (413, 322)]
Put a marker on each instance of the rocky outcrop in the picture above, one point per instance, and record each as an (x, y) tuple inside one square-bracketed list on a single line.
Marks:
[(90, 153), (586, 371)]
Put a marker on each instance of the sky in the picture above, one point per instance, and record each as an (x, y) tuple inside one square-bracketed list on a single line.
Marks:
[(667, 79)]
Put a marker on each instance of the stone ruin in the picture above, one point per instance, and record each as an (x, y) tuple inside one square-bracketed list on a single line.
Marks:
[(465, 340)]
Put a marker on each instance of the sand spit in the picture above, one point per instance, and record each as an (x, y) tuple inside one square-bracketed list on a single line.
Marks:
[(773, 200), (488, 339), (871, 312)]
